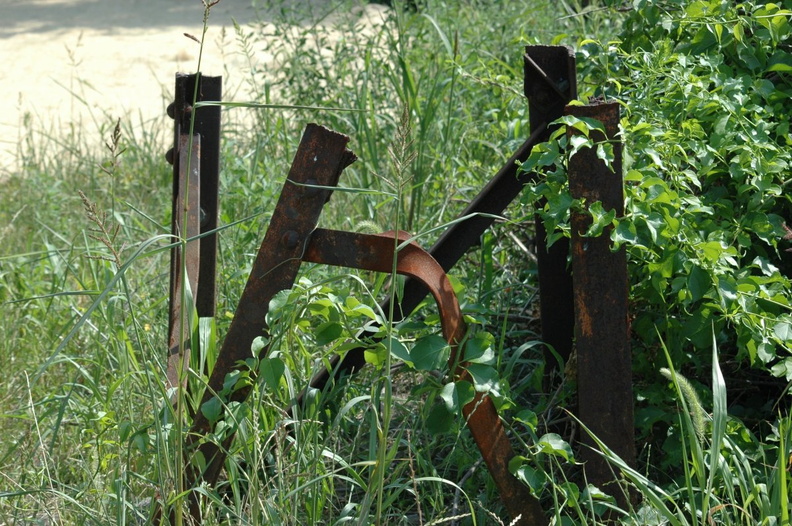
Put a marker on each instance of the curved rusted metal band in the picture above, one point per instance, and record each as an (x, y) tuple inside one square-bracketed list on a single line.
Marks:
[(375, 253)]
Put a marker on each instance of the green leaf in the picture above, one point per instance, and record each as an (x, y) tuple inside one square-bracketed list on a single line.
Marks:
[(272, 371), (212, 409), (534, 478), (601, 219), (781, 62), (485, 377), (605, 152), (478, 349), (328, 332), (624, 232), (376, 355), (553, 444), (429, 353), (783, 369), (698, 282), (727, 290), (457, 395), (440, 419), (711, 250), (783, 331), (398, 350), (528, 418), (355, 308)]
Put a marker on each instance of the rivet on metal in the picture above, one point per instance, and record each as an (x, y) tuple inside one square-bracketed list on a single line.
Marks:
[(311, 190), (290, 239)]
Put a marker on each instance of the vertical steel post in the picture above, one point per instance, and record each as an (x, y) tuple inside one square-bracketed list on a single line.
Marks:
[(550, 83), (604, 363), (196, 164), (207, 125), (185, 259)]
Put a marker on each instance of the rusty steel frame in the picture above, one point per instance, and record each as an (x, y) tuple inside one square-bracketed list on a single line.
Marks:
[(547, 94), (293, 238)]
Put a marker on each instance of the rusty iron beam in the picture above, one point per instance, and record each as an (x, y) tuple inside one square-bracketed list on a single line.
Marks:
[(207, 125), (604, 362), (375, 253), (185, 259), (320, 158), (550, 83)]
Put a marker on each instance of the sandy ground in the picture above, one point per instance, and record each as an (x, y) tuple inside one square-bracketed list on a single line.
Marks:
[(118, 57)]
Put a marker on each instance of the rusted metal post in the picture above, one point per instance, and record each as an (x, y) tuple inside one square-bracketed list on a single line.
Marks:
[(185, 259), (207, 125), (604, 363), (550, 83), (196, 164)]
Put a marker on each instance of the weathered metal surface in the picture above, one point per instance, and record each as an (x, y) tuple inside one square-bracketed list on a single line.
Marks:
[(320, 158), (604, 363), (375, 253), (207, 125), (550, 83), (185, 259)]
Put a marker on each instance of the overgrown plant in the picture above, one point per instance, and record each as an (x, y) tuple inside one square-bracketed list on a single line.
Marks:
[(730, 476)]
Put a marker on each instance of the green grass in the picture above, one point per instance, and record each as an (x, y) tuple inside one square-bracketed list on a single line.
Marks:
[(88, 434)]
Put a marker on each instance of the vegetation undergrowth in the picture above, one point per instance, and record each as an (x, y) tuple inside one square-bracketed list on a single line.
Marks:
[(92, 437)]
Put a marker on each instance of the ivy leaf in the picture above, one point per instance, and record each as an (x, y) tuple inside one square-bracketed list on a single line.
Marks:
[(328, 332), (478, 349), (429, 353), (485, 377), (553, 444), (624, 232), (600, 219)]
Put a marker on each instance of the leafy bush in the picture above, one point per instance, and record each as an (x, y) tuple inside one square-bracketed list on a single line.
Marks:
[(705, 87)]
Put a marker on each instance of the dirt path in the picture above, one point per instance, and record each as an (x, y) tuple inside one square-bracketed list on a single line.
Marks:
[(79, 61)]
